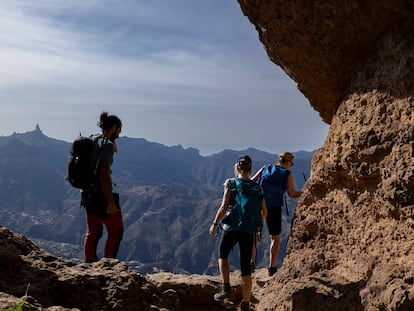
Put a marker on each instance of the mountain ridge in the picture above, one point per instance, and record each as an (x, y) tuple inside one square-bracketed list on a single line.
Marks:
[(168, 195)]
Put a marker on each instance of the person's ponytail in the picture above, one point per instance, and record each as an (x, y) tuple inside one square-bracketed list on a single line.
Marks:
[(107, 121)]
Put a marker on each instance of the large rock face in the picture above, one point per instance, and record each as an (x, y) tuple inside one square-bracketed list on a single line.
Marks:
[(352, 241)]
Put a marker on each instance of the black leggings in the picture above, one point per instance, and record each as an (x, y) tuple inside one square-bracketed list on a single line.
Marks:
[(274, 220), (246, 240)]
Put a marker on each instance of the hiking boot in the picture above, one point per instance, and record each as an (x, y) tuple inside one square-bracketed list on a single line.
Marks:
[(244, 306), (272, 270), (223, 293)]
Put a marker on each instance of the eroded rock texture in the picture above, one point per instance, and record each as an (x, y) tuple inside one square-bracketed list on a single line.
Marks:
[(352, 242), (321, 44)]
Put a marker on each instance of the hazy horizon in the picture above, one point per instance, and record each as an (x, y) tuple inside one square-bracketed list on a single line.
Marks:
[(217, 148)]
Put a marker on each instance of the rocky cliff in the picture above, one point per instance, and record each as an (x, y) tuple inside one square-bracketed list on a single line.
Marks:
[(53, 283), (352, 241)]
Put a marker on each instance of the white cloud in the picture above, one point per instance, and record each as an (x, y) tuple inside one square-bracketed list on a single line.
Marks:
[(178, 72)]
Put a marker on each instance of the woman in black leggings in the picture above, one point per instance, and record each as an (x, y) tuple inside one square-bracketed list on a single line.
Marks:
[(243, 170)]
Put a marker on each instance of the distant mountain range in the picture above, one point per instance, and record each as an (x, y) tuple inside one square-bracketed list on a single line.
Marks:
[(169, 196)]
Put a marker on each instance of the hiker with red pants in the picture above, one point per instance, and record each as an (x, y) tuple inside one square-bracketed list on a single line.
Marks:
[(102, 205)]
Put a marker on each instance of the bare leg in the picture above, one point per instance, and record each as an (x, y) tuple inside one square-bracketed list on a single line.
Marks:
[(224, 270), (274, 249), (254, 250), (246, 288)]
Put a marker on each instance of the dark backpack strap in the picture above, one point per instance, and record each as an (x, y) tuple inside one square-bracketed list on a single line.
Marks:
[(286, 172), (104, 141), (233, 188)]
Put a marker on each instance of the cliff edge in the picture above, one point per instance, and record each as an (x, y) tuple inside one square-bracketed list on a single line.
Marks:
[(352, 239), (56, 284)]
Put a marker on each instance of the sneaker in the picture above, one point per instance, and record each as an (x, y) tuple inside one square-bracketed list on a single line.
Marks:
[(223, 293), (272, 270), (244, 306)]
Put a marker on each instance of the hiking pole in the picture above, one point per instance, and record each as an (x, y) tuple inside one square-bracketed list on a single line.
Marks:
[(304, 176), (284, 199)]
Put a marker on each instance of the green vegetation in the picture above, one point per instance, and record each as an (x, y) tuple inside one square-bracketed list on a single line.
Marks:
[(17, 307), (20, 305)]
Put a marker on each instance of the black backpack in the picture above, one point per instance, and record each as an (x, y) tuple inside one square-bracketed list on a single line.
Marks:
[(80, 168)]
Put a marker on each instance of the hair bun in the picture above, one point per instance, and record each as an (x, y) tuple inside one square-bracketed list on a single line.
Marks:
[(286, 156), (244, 162)]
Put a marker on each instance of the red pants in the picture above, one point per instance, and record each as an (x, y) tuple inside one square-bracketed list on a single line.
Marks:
[(95, 223)]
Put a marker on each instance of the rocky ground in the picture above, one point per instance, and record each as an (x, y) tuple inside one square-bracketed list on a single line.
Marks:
[(50, 283), (53, 283)]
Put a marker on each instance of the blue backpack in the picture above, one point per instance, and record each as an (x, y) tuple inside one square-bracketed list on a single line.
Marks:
[(246, 213), (273, 181)]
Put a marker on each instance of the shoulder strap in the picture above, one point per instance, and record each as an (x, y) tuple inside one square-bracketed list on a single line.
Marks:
[(233, 186), (237, 183), (286, 173), (100, 145)]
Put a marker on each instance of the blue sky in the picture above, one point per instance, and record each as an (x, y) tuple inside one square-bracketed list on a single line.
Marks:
[(188, 72)]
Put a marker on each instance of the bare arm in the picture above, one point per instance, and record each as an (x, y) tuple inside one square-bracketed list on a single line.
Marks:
[(258, 174), (221, 211), (290, 187), (264, 210)]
